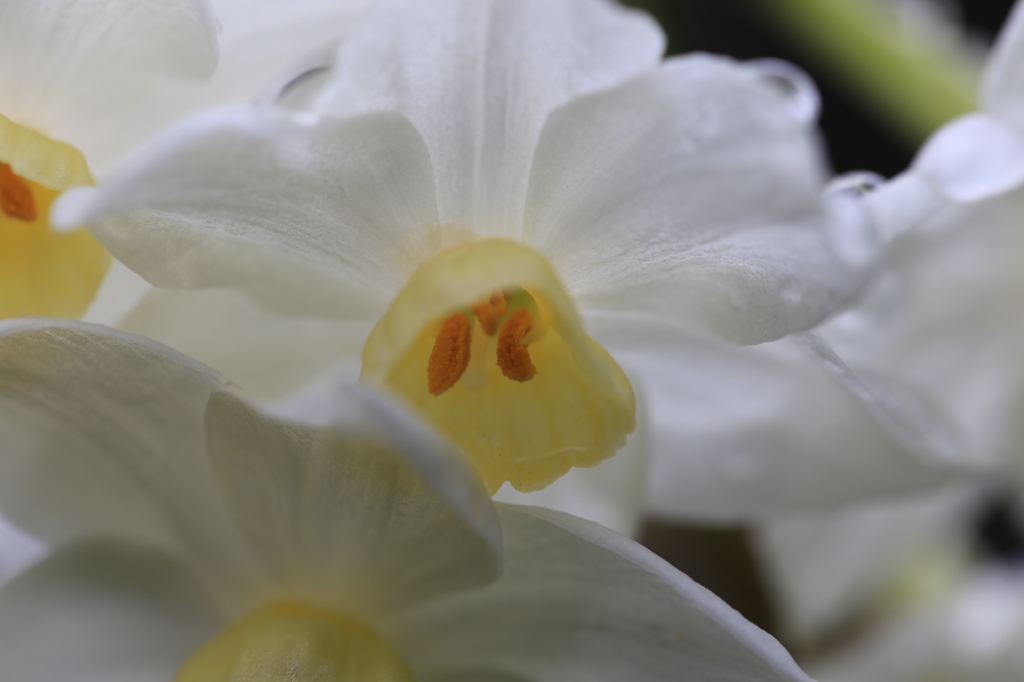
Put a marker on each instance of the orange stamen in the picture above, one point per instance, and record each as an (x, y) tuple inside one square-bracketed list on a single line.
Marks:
[(15, 195), (490, 312), (513, 358), (450, 355)]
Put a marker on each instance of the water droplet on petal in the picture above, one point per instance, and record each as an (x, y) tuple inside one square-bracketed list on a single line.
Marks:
[(855, 184), (793, 84)]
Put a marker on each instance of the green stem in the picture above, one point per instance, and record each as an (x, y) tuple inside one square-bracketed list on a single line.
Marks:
[(912, 84)]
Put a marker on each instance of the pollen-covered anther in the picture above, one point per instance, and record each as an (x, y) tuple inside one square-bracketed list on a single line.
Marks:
[(15, 195), (450, 354), (513, 358), (490, 312)]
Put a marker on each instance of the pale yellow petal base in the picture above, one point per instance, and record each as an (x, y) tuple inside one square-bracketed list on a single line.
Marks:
[(43, 272), (286, 641), (519, 423)]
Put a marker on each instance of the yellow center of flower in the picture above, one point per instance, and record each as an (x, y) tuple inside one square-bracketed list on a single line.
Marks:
[(290, 642), (485, 343), (42, 272)]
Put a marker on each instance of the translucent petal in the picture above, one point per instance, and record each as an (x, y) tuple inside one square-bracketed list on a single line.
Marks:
[(350, 503), (579, 602), (295, 642), (103, 611), (42, 271), (575, 411), (478, 79)]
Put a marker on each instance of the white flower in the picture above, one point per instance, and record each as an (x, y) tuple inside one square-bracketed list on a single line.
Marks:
[(933, 586), (199, 533), (84, 82), (478, 172), (943, 321)]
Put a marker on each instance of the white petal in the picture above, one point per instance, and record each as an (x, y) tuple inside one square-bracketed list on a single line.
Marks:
[(311, 216), (64, 64), (972, 632), (743, 432), (823, 567), (903, 203), (944, 317), (692, 192), (610, 493), (102, 612), (18, 550), (348, 500), (266, 353), (1002, 87), (579, 602), (478, 78), (974, 157), (260, 41), (103, 434), (119, 294)]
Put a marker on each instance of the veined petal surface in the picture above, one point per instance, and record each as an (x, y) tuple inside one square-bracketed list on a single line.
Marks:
[(102, 611), (323, 219), (691, 192), (579, 602), (103, 435), (478, 79), (349, 502)]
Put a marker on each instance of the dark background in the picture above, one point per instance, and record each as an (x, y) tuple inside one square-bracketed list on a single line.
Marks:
[(855, 140), (721, 559)]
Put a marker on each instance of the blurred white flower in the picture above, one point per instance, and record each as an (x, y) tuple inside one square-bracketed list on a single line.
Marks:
[(203, 537), (474, 174), (943, 321), (83, 83)]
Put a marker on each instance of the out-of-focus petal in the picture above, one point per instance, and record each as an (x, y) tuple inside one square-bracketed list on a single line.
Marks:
[(18, 550), (1002, 86), (903, 203), (260, 41), (579, 602), (102, 612), (349, 501), (478, 79), (65, 64), (949, 303), (974, 157), (266, 353), (970, 633), (103, 434), (310, 216), (695, 193), (743, 432), (826, 566)]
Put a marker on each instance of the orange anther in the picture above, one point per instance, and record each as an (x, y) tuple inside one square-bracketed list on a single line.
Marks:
[(450, 354), (15, 195), (513, 358), (490, 312)]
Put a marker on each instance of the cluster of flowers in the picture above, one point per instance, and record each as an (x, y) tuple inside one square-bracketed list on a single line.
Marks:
[(426, 252)]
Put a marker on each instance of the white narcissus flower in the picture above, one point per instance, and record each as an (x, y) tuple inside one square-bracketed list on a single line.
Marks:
[(516, 195), (84, 82), (204, 538)]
